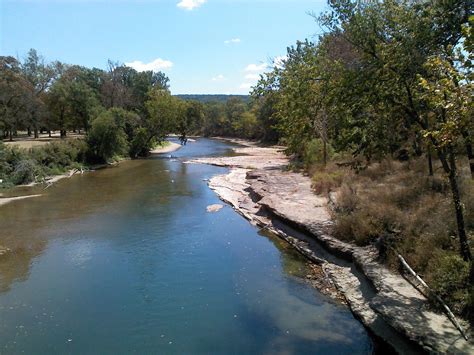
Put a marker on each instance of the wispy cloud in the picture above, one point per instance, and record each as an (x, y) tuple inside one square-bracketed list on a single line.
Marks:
[(155, 65), (252, 76), (190, 4), (232, 41), (245, 86), (255, 68), (219, 77)]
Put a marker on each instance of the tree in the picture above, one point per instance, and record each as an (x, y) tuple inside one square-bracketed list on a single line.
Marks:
[(163, 112), (58, 104), (40, 76), (106, 138), (15, 96), (82, 99), (398, 43)]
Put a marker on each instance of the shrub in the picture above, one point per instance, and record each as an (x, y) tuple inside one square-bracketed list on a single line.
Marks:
[(106, 139), (140, 144), (56, 157), (397, 206), (448, 275), (25, 171), (325, 181), (313, 152)]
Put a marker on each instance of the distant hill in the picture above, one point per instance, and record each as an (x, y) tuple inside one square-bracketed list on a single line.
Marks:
[(212, 98)]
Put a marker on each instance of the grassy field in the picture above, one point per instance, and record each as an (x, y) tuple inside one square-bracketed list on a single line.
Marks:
[(25, 141)]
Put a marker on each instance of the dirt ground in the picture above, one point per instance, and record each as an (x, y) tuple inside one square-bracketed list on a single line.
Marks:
[(27, 142)]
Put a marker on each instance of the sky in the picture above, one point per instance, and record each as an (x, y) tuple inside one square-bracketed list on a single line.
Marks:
[(203, 46)]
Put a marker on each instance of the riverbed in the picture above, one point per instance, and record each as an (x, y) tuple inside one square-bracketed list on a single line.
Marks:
[(127, 259)]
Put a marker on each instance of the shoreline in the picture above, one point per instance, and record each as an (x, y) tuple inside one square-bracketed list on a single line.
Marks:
[(283, 203), (50, 180), (171, 147)]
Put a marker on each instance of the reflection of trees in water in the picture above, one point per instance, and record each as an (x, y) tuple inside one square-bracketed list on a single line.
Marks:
[(15, 266), (79, 204), (301, 319), (293, 263)]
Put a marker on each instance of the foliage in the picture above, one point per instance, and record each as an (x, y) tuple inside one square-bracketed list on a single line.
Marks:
[(22, 166), (449, 277), (140, 144), (106, 138)]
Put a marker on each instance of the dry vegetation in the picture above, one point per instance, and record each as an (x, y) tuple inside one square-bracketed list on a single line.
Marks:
[(399, 208)]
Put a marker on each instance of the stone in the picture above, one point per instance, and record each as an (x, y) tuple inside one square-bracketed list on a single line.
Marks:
[(214, 208)]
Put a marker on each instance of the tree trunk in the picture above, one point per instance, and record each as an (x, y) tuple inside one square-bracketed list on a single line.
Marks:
[(452, 176), (36, 133), (430, 162), (63, 133), (11, 135), (49, 133), (469, 150), (470, 156), (29, 132), (325, 152)]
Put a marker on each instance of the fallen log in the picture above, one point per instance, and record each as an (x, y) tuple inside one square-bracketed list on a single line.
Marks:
[(434, 295)]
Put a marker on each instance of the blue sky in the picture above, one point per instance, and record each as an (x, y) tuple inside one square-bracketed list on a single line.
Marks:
[(204, 46)]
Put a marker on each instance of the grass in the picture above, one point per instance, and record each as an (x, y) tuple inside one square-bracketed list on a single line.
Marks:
[(27, 142), (162, 144)]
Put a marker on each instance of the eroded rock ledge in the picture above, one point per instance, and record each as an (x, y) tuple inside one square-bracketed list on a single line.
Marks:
[(282, 202)]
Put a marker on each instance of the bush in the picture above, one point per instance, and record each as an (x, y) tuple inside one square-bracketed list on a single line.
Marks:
[(22, 166), (325, 181), (313, 152), (26, 171), (448, 275), (396, 205), (59, 156), (140, 144), (106, 139)]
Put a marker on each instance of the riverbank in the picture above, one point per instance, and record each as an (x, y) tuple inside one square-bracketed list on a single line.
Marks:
[(283, 202), (50, 180), (168, 148)]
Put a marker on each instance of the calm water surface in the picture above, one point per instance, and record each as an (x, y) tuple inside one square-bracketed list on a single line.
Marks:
[(127, 259)]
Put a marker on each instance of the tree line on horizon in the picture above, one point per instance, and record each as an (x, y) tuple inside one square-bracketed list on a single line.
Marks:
[(36, 96)]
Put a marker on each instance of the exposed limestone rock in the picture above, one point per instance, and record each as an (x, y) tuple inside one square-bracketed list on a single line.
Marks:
[(259, 189), (214, 208)]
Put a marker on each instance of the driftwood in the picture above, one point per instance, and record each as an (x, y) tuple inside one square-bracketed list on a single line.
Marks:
[(431, 293), (71, 173)]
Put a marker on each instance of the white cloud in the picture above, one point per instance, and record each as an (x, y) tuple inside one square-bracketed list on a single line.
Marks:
[(252, 76), (233, 40), (190, 4), (245, 86), (155, 65), (256, 67), (220, 77)]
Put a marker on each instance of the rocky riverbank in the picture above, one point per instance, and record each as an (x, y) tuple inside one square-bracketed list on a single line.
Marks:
[(282, 202)]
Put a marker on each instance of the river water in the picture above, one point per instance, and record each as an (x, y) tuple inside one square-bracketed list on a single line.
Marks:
[(126, 259)]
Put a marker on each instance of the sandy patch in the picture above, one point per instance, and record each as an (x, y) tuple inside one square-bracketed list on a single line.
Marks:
[(5, 200), (167, 149)]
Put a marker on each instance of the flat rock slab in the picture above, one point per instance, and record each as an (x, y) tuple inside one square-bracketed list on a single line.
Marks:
[(214, 208)]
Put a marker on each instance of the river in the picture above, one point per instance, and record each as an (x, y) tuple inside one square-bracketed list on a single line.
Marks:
[(126, 259)]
